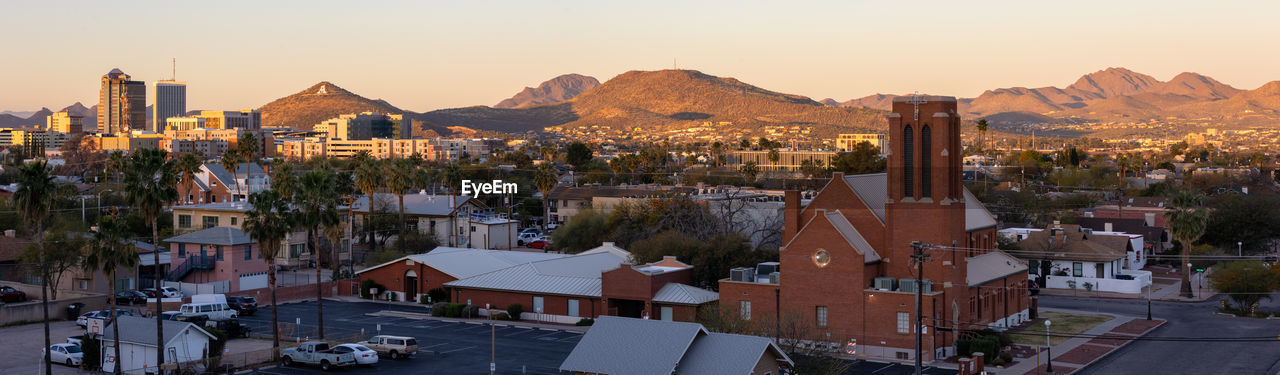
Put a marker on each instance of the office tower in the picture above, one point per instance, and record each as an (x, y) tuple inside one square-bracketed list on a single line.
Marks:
[(249, 119), (64, 122), (171, 101), (122, 103)]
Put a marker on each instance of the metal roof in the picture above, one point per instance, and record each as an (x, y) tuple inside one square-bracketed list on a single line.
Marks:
[(463, 263), (727, 354), (872, 188), (577, 275), (142, 331), (992, 266), (625, 346), (682, 294), (225, 236), (415, 204), (242, 170), (976, 215), (851, 235)]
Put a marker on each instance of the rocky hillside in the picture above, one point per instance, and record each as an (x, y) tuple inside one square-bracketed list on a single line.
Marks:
[(556, 90), (317, 103)]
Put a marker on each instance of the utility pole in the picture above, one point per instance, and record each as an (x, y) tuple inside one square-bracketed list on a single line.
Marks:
[(919, 257)]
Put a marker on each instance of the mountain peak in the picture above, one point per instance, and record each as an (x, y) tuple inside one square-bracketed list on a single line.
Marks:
[(319, 102), (1113, 82), (555, 90)]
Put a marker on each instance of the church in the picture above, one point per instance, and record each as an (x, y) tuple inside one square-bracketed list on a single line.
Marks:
[(846, 276)]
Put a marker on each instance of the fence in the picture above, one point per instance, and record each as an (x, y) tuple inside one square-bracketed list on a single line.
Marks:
[(192, 289)]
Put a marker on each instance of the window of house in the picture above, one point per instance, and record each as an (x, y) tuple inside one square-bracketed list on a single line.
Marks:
[(538, 305), (248, 252), (573, 307), (1077, 269), (210, 221), (217, 249), (904, 322), (182, 250), (233, 221), (84, 284), (666, 313), (184, 221), (1033, 267), (822, 316), (744, 309)]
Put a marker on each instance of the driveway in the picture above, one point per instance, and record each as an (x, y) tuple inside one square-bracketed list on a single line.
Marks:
[(22, 354)]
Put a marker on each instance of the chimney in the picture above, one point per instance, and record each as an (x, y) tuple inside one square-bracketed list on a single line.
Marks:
[(1106, 227), (978, 366), (790, 215)]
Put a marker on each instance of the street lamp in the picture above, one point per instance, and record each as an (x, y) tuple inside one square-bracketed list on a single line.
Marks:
[(1240, 247), (1048, 347)]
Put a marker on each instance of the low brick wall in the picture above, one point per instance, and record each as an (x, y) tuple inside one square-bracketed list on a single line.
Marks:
[(288, 293)]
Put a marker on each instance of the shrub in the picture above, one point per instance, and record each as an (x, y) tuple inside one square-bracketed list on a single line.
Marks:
[(438, 308), (514, 310), (423, 299), (454, 310), (366, 285), (1006, 356), (963, 346), (584, 322), (1071, 284), (438, 295), (469, 311), (1088, 286), (92, 352)]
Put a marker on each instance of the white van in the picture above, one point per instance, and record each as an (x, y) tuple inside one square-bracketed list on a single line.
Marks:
[(212, 305)]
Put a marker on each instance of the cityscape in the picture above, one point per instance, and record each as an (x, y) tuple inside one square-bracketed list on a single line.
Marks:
[(288, 207)]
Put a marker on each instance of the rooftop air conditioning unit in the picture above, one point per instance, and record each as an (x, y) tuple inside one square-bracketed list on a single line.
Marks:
[(742, 274), (884, 283), (775, 277), (926, 287), (907, 285)]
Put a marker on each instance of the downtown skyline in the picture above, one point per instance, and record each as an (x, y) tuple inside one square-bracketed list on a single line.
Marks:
[(424, 57)]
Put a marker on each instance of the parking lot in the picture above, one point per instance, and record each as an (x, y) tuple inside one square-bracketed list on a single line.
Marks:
[(444, 347)]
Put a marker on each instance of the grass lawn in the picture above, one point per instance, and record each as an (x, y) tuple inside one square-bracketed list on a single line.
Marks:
[(1063, 324)]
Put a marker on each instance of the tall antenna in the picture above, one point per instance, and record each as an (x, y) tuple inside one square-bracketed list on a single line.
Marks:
[(674, 66), (174, 77)]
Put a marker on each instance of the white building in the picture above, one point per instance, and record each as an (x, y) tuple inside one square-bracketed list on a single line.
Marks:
[(1065, 256), (183, 342), (494, 233)]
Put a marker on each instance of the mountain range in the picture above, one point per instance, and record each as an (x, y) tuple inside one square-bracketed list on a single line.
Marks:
[(553, 91)]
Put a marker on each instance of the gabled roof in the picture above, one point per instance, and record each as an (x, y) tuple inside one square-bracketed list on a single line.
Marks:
[(682, 294), (626, 346), (722, 353), (577, 275), (1071, 243), (872, 189), (463, 263), (609, 247), (416, 204), (992, 266), (142, 331), (242, 170), (225, 236), (851, 235)]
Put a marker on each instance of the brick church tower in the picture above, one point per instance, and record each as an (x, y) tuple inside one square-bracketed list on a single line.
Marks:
[(926, 197)]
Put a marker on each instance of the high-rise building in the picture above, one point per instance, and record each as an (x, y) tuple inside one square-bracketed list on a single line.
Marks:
[(246, 119), (171, 101), (122, 103), (64, 122), (365, 126)]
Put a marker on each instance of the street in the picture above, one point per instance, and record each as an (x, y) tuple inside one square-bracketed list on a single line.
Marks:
[(1186, 320)]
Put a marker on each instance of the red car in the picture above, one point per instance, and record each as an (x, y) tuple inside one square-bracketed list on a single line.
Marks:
[(539, 244), (8, 294)]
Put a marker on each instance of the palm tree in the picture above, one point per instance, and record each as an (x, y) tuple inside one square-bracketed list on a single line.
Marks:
[(186, 167), (247, 147), (345, 186), (1187, 222), (399, 182), (317, 206), (982, 133), (545, 180), (115, 165), (33, 197), (750, 170), (368, 179), (151, 184), (230, 160), (774, 156), (108, 252), (283, 180), (268, 222)]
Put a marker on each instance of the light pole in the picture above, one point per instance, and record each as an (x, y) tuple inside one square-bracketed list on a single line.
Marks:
[(1153, 285), (1240, 248), (493, 366), (1048, 348)]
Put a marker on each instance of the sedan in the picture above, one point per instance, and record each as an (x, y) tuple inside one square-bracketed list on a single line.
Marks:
[(69, 354), (150, 293), (83, 320), (131, 297), (364, 355), (539, 244), (9, 294), (171, 292)]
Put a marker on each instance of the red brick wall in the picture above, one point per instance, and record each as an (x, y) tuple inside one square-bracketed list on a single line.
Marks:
[(626, 283), (554, 305), (287, 293), (392, 276)]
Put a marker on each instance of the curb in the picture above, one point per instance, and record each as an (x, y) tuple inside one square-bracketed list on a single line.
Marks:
[(1113, 351)]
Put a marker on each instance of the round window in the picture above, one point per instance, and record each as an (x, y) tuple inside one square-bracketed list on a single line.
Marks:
[(821, 258)]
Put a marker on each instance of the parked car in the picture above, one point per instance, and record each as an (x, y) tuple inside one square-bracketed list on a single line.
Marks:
[(1033, 287), (231, 327), (394, 347), (170, 315), (213, 305), (198, 319), (83, 320), (171, 292), (150, 293), (364, 355), (131, 297), (524, 238), (541, 243), (75, 340), (316, 353), (69, 354), (9, 294), (246, 306)]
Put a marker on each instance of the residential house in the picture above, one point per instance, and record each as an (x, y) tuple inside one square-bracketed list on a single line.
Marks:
[(1066, 256), (445, 215), (626, 346), (213, 184), (196, 217), (223, 256), (183, 342)]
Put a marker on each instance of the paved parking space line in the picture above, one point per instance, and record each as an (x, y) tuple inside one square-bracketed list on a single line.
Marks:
[(549, 334), (457, 350), (517, 333), (432, 346)]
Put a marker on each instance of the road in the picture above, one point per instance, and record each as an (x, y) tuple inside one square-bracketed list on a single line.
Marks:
[(445, 347), (1186, 320)]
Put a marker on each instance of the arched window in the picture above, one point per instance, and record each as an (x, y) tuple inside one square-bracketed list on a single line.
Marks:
[(926, 171), (908, 163)]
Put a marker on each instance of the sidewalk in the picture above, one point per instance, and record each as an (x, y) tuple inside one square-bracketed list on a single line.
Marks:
[(1078, 352)]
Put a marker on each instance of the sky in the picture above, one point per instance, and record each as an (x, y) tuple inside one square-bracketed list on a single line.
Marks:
[(425, 55)]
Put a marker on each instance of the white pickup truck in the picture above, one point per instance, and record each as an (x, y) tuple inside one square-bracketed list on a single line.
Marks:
[(316, 353)]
